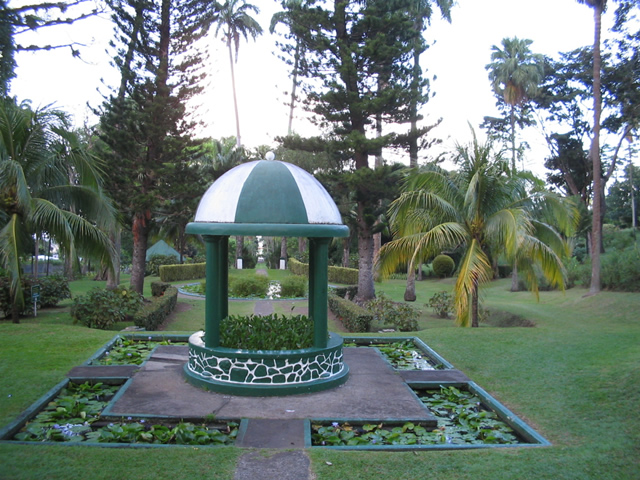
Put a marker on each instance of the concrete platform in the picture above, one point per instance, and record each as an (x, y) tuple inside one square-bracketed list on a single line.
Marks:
[(374, 391)]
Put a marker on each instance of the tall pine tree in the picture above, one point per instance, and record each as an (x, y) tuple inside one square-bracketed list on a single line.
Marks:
[(145, 122)]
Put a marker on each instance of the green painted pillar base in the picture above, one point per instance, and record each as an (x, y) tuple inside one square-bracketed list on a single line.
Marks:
[(318, 289), (216, 301)]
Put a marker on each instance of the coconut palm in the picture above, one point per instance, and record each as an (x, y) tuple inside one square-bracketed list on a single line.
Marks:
[(487, 212), (235, 21), (49, 185), (515, 73), (599, 7)]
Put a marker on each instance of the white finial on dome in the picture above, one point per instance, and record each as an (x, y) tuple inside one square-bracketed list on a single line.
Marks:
[(270, 156)]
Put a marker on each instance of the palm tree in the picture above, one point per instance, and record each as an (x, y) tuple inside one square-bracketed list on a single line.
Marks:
[(48, 184), (596, 232), (484, 211), (235, 20), (515, 75)]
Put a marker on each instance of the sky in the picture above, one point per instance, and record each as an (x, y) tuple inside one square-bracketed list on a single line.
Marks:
[(458, 55)]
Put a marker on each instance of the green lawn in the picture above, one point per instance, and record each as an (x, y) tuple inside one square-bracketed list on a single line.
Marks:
[(575, 378)]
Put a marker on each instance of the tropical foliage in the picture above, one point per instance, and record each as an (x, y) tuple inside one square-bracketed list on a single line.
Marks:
[(487, 211), (50, 186)]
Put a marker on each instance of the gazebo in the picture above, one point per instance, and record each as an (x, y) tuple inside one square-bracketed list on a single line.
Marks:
[(268, 198)]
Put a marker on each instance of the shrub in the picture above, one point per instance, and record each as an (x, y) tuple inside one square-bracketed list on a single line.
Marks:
[(158, 288), (293, 287), (269, 332), (353, 317), (442, 304), (155, 261), (249, 286), (101, 308), (443, 266), (387, 312), (498, 318), (53, 289), (175, 273), (154, 313), (621, 270), (346, 292)]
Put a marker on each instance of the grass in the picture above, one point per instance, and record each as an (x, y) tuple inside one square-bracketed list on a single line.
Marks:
[(575, 377)]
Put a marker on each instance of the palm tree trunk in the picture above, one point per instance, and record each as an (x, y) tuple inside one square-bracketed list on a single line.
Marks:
[(474, 305), (596, 231), (410, 291), (366, 288), (346, 251), (113, 275), (235, 99)]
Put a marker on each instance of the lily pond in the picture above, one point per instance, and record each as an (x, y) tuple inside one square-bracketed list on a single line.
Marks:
[(462, 420), (74, 416), (467, 417)]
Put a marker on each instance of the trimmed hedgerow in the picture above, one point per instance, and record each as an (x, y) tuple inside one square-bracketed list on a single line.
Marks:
[(347, 276), (175, 273), (154, 313), (298, 268), (354, 318)]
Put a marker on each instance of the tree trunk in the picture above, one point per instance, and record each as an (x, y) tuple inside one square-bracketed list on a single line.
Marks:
[(474, 306), (235, 100), (515, 283), (594, 152), (294, 85), (346, 251), (113, 275), (366, 289), (410, 291), (138, 261), (377, 245)]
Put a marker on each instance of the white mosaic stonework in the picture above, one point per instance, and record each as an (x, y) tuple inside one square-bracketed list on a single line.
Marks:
[(266, 371), (251, 368)]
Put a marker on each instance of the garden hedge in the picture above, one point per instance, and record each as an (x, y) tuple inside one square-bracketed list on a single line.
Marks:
[(174, 273), (347, 276), (354, 318), (153, 314)]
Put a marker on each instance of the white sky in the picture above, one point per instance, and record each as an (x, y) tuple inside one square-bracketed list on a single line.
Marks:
[(458, 59)]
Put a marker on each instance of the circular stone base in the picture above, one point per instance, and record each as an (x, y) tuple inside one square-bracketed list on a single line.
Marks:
[(265, 372)]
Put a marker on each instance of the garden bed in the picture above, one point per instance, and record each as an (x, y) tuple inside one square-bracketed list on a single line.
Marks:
[(72, 413)]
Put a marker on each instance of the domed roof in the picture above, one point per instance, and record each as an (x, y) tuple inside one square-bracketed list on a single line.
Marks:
[(268, 197)]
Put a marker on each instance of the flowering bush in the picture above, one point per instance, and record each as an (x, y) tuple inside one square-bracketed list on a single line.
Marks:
[(101, 308)]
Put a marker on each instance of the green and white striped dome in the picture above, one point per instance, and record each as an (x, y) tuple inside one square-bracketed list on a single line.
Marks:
[(268, 197)]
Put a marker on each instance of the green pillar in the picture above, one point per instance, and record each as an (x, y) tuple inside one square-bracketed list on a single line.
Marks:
[(217, 292), (318, 285)]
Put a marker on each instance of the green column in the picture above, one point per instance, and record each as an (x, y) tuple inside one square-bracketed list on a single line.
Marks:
[(318, 285), (217, 292)]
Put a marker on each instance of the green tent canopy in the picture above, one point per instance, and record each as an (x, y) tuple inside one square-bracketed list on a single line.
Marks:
[(161, 248)]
